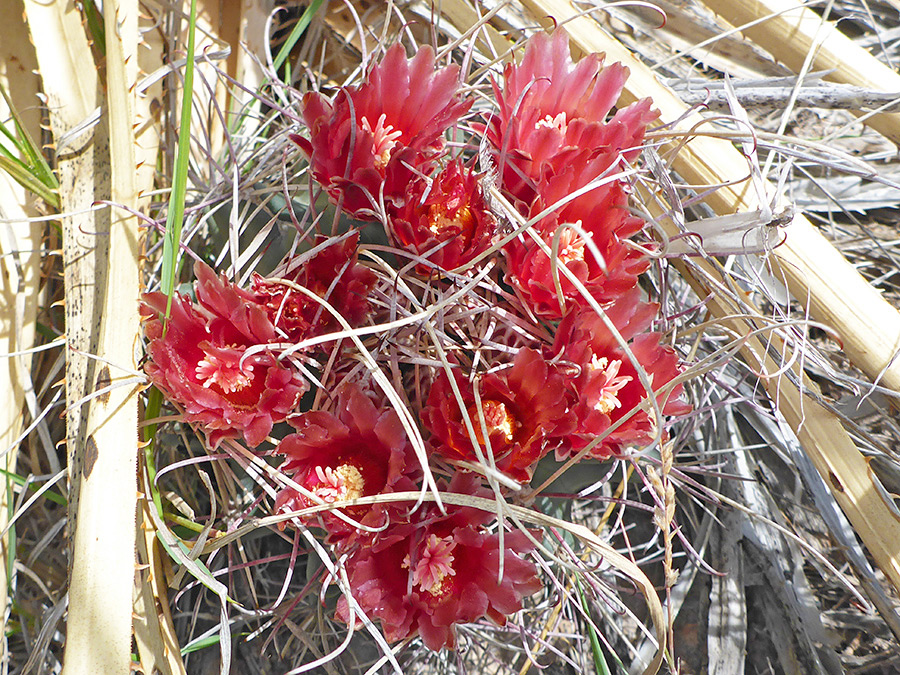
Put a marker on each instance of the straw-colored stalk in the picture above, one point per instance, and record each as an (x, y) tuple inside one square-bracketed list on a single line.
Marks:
[(20, 248), (100, 250), (802, 40), (818, 276)]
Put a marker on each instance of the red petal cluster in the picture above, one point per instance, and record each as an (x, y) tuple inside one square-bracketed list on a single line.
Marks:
[(443, 218), (426, 576), (199, 361), (553, 113), (332, 273), (360, 451), (524, 409), (398, 115), (607, 387)]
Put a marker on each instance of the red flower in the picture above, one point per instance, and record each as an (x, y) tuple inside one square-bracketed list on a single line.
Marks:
[(398, 114), (447, 209), (334, 275), (603, 215), (359, 452), (524, 409), (199, 363), (607, 386), (428, 576), (552, 109)]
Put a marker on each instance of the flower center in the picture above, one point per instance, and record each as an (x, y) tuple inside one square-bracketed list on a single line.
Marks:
[(435, 565), (384, 138), (572, 247), (443, 225), (497, 418), (558, 122), (610, 383), (224, 374), (337, 484)]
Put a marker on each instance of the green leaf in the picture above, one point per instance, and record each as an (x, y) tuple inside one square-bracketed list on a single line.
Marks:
[(95, 25), (25, 177), (197, 645), (154, 404)]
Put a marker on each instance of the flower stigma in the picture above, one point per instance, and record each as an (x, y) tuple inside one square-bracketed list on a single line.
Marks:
[(384, 138), (441, 224), (608, 399), (497, 419), (338, 484), (558, 122), (572, 246), (435, 565)]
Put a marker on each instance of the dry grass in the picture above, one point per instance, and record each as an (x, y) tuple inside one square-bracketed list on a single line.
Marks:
[(767, 525)]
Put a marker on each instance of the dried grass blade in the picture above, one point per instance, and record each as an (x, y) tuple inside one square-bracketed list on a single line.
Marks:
[(153, 627), (825, 441), (518, 515)]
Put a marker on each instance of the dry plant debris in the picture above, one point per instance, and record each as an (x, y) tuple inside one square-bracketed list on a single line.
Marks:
[(465, 372)]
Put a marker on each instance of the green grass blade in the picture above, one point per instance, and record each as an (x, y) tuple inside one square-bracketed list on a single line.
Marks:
[(54, 497), (154, 404), (11, 535), (298, 31), (95, 25), (196, 646), (600, 666), (29, 168), (175, 214), (24, 176), (302, 24), (12, 139), (27, 147)]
